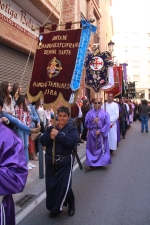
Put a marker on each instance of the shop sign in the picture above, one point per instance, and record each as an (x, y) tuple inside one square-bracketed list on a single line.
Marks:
[(18, 18)]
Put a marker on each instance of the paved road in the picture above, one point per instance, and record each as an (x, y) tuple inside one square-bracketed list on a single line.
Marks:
[(116, 195)]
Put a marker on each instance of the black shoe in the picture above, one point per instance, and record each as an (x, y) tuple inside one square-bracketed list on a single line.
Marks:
[(78, 144), (52, 215), (141, 131), (71, 210), (89, 168), (123, 137), (147, 131), (80, 141), (84, 139), (111, 152)]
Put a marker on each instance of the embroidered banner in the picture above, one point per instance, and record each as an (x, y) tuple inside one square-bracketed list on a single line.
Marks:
[(111, 82), (54, 65), (96, 65), (124, 65), (118, 81)]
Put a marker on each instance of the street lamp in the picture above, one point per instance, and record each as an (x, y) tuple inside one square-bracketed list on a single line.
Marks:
[(111, 46)]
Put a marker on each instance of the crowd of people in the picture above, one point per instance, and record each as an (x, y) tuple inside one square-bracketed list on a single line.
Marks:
[(105, 130), (100, 124), (26, 120)]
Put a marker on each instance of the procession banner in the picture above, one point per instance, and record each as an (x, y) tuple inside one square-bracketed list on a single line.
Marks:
[(53, 65), (58, 64), (131, 91), (96, 65), (117, 90), (111, 82)]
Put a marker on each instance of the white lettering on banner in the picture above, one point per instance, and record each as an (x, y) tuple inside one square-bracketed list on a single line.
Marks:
[(18, 18)]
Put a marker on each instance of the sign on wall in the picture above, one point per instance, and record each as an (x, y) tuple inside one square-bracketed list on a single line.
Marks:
[(18, 18)]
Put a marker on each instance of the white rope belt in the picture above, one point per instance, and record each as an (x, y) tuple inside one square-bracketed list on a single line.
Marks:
[(3, 220), (103, 149)]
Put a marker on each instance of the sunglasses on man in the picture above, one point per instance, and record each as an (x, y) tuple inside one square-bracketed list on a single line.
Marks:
[(97, 102)]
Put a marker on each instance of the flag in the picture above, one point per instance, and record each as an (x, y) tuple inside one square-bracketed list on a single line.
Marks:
[(117, 81), (111, 82), (96, 65), (55, 68)]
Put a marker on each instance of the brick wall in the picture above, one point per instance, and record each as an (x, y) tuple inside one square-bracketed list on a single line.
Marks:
[(71, 11), (14, 38)]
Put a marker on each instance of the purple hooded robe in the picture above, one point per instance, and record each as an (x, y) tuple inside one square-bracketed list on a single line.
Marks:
[(13, 172), (97, 151)]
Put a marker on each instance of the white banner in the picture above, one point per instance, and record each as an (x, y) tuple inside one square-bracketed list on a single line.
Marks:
[(111, 83)]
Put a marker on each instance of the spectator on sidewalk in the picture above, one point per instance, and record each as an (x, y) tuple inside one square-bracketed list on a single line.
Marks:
[(16, 92), (21, 112), (9, 111), (144, 115), (13, 172), (97, 147), (58, 185), (41, 114), (35, 123)]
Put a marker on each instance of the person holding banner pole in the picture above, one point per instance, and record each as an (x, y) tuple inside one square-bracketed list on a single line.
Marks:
[(113, 111), (97, 147), (58, 185)]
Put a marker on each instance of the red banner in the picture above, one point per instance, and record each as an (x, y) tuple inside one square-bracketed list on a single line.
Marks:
[(117, 80), (53, 66)]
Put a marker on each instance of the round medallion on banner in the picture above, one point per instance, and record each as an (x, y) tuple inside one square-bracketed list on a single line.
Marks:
[(54, 67), (96, 63)]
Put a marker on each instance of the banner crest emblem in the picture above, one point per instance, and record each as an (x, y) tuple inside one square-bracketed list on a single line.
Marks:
[(54, 68)]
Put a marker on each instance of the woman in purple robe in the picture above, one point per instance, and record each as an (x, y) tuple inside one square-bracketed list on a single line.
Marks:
[(97, 122), (13, 172)]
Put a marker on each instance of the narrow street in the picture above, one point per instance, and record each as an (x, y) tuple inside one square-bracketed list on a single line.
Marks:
[(115, 195)]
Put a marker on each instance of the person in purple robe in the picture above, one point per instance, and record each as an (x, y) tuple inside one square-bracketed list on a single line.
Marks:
[(13, 171), (97, 122)]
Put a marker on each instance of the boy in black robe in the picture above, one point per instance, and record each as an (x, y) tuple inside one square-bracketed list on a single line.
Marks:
[(58, 186)]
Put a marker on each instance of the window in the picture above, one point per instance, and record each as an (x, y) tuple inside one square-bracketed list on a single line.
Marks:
[(125, 35), (149, 93), (117, 35), (136, 77), (135, 49), (135, 63), (140, 94), (135, 35), (126, 48), (117, 48)]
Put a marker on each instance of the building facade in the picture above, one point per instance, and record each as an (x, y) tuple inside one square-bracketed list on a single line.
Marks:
[(18, 41), (132, 45)]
